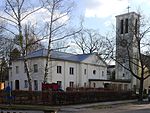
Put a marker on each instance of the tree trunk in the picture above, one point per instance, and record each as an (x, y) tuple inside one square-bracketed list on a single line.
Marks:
[(28, 75), (46, 71), (1, 74), (141, 90)]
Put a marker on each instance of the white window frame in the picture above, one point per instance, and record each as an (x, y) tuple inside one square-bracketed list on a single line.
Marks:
[(25, 84), (85, 71), (35, 85), (94, 72), (17, 69), (71, 70), (35, 68), (59, 69)]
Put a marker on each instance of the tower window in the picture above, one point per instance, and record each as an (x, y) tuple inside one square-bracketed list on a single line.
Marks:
[(126, 26), (136, 26), (17, 69), (121, 27)]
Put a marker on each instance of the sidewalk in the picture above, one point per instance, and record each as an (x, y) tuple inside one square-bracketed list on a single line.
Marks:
[(98, 104)]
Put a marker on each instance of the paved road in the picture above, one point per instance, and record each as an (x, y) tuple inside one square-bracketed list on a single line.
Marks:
[(20, 111), (122, 108)]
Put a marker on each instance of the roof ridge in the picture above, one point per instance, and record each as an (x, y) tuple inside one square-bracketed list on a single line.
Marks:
[(86, 54), (36, 50), (64, 52)]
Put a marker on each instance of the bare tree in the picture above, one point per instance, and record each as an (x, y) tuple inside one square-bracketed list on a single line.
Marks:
[(15, 12), (3, 53), (32, 41), (61, 46), (90, 41), (60, 12), (3, 70)]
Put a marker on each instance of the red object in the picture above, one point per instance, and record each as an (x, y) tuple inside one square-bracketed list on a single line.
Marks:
[(53, 86)]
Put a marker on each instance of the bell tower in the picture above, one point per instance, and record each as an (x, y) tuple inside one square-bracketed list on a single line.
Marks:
[(127, 31)]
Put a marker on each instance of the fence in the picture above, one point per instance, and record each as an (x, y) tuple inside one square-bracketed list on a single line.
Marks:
[(61, 98)]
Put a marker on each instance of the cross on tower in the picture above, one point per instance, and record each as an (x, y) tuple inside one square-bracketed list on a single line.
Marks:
[(128, 8)]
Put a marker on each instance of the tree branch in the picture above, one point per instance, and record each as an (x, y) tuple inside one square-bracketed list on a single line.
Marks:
[(8, 30), (12, 9), (30, 13), (68, 35), (8, 19)]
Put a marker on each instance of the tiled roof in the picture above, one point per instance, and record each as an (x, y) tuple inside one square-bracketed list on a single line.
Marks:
[(59, 55)]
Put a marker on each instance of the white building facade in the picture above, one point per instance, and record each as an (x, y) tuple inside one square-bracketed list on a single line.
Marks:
[(68, 70)]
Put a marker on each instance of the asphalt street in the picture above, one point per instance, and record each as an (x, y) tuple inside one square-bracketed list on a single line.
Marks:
[(115, 108)]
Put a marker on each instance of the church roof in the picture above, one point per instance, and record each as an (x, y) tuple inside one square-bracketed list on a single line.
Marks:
[(130, 13), (59, 55)]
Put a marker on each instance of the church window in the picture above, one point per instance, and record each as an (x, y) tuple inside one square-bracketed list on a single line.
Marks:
[(71, 84), (59, 69), (35, 85), (94, 84), (35, 68), (94, 72), (121, 27), (71, 71), (123, 75), (102, 73), (84, 84), (25, 84), (85, 71), (136, 26), (126, 26)]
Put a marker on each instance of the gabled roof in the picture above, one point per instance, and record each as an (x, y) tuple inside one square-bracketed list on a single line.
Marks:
[(59, 55)]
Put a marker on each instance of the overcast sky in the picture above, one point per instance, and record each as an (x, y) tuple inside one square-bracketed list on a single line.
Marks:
[(100, 14)]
